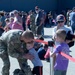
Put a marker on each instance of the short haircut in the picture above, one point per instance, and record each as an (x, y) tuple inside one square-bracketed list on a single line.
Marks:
[(28, 34), (61, 33)]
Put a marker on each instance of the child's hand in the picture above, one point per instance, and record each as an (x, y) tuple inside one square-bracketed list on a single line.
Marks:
[(28, 56)]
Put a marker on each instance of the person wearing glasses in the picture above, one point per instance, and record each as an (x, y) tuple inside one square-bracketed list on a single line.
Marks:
[(13, 43), (60, 24), (29, 40)]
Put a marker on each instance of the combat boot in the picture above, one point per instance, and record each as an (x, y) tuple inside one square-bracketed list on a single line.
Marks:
[(16, 72)]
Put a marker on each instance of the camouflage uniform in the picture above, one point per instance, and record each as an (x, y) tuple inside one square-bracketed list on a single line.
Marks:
[(10, 44), (32, 23)]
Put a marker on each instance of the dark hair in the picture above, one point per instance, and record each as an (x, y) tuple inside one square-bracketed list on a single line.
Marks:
[(45, 46)]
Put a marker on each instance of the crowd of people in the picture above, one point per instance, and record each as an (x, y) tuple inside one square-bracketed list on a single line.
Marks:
[(17, 32)]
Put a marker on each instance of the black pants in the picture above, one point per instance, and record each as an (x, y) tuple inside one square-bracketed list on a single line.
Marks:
[(37, 70)]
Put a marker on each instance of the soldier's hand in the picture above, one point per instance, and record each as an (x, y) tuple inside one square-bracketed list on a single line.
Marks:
[(28, 56)]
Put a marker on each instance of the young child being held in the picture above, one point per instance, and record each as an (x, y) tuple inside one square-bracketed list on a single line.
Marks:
[(29, 40), (61, 63)]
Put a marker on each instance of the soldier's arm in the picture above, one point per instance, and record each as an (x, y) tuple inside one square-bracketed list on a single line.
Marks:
[(14, 45), (13, 52), (14, 48), (22, 55), (18, 52)]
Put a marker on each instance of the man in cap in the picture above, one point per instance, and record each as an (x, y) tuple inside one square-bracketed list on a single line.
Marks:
[(12, 43), (60, 22)]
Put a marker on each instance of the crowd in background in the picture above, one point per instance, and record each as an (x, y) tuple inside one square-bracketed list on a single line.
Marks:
[(32, 20), (28, 19), (36, 21)]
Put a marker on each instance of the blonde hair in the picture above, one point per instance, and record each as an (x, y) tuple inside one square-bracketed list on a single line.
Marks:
[(61, 33)]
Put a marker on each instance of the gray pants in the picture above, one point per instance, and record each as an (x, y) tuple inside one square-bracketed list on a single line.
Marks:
[(59, 72), (6, 64), (5, 59), (24, 66)]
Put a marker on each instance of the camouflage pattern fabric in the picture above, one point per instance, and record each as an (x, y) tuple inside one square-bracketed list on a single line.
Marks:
[(5, 58), (10, 44), (32, 23)]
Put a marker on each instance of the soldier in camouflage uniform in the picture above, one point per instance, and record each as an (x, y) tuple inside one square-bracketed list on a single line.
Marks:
[(32, 22), (11, 43)]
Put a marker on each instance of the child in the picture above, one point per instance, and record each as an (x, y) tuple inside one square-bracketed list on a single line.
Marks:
[(38, 46), (29, 40), (60, 24), (61, 63), (42, 52)]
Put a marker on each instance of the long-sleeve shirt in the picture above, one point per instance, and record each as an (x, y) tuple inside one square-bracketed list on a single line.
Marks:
[(12, 43), (36, 61)]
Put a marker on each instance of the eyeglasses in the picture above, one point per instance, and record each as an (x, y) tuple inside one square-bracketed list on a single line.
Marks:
[(60, 21), (29, 42)]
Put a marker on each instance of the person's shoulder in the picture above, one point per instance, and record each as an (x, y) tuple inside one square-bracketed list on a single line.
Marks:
[(58, 47), (66, 45), (67, 28), (15, 35), (55, 28)]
